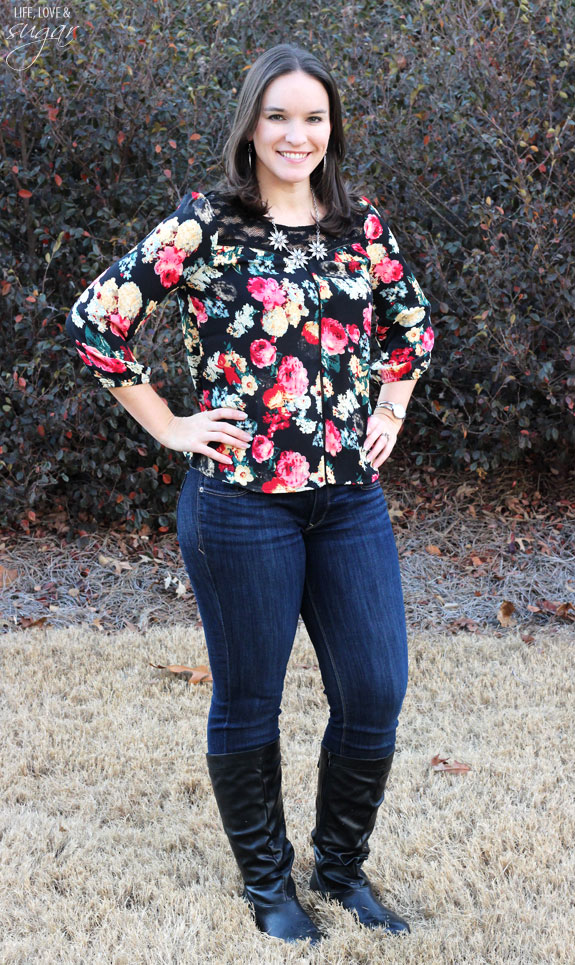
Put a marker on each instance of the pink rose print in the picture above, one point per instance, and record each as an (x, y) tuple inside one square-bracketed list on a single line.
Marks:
[(118, 325), (199, 309), (91, 356), (292, 376), (169, 265), (388, 270), (332, 438), (309, 332), (372, 227), (395, 373), (268, 291), (353, 332), (360, 250), (262, 448), (262, 352), (427, 340), (292, 469), (279, 420), (333, 336), (367, 313), (273, 397), (400, 355)]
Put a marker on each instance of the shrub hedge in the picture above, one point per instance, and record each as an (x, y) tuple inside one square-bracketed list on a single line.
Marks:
[(460, 128)]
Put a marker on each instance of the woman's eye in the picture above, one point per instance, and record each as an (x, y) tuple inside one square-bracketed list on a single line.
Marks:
[(272, 117)]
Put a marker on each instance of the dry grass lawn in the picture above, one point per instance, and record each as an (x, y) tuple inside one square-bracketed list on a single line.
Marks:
[(112, 850)]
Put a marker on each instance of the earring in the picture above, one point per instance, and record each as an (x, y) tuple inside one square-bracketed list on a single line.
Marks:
[(323, 168), (250, 154)]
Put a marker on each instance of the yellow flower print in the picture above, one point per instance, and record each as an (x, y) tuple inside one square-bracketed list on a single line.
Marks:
[(376, 253), (413, 335), (239, 361), (410, 316), (248, 385), (292, 312), (129, 300), (167, 232), (327, 387), (243, 475), (355, 367), (324, 290), (275, 322), (108, 292), (188, 236)]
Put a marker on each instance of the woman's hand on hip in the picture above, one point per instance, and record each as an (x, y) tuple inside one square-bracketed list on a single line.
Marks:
[(380, 437), (193, 433)]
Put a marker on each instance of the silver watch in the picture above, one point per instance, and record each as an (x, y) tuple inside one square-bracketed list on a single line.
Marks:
[(397, 408)]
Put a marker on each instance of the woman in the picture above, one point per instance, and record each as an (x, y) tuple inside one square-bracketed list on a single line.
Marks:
[(293, 295)]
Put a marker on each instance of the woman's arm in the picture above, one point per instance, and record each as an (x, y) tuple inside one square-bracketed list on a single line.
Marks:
[(109, 313), (146, 407), (192, 433)]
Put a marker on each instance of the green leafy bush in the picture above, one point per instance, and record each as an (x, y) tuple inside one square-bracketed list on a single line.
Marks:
[(459, 129)]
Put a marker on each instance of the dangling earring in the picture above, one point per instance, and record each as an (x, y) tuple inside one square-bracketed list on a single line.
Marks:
[(250, 153), (323, 168)]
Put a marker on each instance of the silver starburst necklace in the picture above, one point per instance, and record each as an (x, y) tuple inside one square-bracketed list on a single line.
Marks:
[(299, 257)]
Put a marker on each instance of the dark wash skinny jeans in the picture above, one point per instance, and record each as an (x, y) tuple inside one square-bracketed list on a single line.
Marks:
[(256, 561)]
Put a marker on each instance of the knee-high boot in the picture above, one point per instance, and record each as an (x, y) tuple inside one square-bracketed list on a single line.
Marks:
[(247, 788), (350, 791)]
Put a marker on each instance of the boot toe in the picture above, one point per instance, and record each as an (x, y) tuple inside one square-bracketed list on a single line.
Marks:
[(369, 910), (287, 921)]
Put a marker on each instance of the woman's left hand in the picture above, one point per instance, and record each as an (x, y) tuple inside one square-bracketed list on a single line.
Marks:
[(380, 437)]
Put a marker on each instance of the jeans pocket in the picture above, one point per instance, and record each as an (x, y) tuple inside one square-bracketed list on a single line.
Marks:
[(217, 487)]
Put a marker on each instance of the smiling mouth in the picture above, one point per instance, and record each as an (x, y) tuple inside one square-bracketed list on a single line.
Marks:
[(294, 155)]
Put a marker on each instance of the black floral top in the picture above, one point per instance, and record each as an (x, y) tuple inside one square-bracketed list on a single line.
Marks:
[(286, 332)]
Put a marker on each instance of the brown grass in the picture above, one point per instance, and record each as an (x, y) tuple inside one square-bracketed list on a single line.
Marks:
[(112, 849)]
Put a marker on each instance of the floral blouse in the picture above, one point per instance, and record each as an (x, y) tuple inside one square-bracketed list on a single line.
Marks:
[(288, 332)]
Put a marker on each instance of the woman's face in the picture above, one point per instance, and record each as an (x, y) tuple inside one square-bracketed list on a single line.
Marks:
[(293, 129)]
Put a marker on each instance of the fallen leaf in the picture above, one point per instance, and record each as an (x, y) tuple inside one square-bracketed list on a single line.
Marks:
[(442, 764), (7, 576), (566, 611), (194, 675), (433, 550), (504, 614), (28, 622), (118, 565)]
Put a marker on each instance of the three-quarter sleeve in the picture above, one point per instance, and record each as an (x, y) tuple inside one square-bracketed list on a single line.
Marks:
[(402, 335), (110, 311)]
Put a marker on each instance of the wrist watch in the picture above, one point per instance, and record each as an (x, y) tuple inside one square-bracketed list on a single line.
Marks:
[(397, 408)]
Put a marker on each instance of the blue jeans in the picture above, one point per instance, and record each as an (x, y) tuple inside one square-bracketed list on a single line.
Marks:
[(256, 561)]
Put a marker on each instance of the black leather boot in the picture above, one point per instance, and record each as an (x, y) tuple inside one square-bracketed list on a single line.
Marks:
[(350, 791), (247, 788)]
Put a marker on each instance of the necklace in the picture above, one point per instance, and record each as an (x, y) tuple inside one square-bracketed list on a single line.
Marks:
[(299, 257)]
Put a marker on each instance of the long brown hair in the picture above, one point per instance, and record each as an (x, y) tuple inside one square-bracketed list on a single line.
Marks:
[(240, 183)]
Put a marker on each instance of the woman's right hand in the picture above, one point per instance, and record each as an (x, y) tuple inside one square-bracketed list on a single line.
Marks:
[(192, 433)]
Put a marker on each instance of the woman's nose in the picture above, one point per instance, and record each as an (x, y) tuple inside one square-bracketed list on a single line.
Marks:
[(296, 135)]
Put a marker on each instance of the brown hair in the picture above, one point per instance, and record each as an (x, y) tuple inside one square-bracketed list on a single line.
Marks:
[(240, 183)]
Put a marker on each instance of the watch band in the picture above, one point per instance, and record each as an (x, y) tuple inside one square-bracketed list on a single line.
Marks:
[(394, 406)]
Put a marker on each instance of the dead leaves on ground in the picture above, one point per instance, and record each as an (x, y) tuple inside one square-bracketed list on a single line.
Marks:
[(442, 764), (192, 675)]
